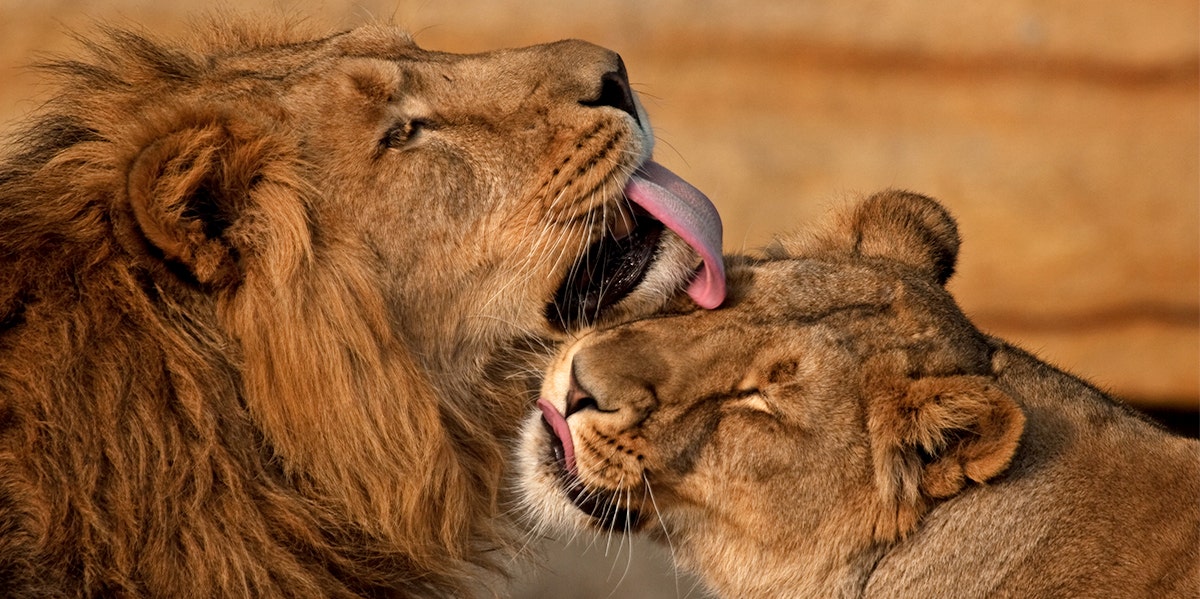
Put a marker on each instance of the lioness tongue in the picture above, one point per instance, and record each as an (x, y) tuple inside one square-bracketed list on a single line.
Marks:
[(687, 212), (558, 423)]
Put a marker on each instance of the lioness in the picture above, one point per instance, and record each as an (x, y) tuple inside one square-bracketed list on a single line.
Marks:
[(840, 429), (272, 302)]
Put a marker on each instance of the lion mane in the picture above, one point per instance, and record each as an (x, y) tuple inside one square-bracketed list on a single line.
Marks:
[(232, 356)]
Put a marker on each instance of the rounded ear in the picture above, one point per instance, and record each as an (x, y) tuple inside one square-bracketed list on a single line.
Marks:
[(187, 187), (909, 228), (896, 225), (931, 437)]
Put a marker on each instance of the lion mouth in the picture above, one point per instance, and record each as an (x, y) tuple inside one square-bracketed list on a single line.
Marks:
[(617, 263), (610, 269)]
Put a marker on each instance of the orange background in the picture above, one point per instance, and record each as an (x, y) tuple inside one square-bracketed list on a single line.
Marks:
[(1063, 134)]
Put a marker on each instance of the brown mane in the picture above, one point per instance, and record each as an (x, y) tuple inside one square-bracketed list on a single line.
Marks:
[(382, 485), (273, 303)]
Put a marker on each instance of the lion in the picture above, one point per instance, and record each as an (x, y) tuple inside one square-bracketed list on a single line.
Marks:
[(841, 429), (273, 302)]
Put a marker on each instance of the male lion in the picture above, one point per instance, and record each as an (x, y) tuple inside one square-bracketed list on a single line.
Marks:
[(840, 429), (270, 304)]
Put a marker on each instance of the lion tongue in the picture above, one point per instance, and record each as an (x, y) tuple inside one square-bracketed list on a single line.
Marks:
[(558, 423), (687, 212)]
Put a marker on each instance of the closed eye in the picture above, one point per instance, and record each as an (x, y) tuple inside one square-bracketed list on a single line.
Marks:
[(752, 399), (403, 134)]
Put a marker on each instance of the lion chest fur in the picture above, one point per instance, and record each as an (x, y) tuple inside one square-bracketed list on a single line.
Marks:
[(840, 429)]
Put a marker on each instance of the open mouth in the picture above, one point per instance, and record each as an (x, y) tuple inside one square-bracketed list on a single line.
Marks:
[(608, 271), (602, 505), (616, 264)]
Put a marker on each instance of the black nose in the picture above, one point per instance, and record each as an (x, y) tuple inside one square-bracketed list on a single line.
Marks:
[(615, 92)]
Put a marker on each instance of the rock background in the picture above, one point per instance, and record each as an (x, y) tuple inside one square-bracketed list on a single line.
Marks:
[(1064, 135)]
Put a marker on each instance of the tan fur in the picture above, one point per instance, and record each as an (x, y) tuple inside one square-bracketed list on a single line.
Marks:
[(271, 304), (840, 429)]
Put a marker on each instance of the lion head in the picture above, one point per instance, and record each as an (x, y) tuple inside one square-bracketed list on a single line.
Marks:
[(271, 301), (836, 398)]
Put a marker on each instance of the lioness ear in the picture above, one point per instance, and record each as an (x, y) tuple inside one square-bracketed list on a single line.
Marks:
[(897, 225), (187, 187), (909, 228), (933, 436)]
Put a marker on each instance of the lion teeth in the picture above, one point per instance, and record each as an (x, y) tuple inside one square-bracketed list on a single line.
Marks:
[(623, 223)]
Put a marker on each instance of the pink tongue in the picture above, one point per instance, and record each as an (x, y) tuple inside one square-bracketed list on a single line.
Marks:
[(559, 425), (687, 212)]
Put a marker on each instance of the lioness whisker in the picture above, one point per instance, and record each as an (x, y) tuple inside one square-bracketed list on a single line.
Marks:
[(611, 520), (663, 525)]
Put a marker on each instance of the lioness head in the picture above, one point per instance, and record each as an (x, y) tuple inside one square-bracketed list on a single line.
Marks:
[(836, 398), (324, 267)]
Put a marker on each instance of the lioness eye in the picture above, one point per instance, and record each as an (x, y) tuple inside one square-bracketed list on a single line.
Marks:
[(751, 398), (403, 134)]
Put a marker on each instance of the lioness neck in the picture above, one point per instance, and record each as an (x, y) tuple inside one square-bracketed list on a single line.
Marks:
[(740, 561)]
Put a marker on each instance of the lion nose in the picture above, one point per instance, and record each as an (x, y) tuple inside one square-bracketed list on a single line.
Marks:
[(615, 92)]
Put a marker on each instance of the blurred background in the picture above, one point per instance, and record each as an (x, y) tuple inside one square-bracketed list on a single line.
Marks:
[(1063, 134)]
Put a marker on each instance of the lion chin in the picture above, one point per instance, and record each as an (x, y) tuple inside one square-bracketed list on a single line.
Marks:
[(271, 302), (840, 429)]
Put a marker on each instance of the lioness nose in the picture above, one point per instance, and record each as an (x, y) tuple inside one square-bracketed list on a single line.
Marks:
[(578, 398), (614, 92)]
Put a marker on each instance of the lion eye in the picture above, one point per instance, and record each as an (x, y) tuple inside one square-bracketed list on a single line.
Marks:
[(403, 134)]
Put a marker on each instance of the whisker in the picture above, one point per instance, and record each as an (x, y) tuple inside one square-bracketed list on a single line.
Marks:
[(628, 536), (663, 525), (612, 526)]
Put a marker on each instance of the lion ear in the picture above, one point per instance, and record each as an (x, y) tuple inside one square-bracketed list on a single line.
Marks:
[(896, 225), (186, 188), (931, 437)]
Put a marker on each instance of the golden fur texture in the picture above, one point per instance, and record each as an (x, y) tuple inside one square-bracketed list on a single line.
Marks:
[(272, 303), (840, 429)]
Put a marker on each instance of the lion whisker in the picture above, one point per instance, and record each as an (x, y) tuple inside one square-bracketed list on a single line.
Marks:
[(534, 260)]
